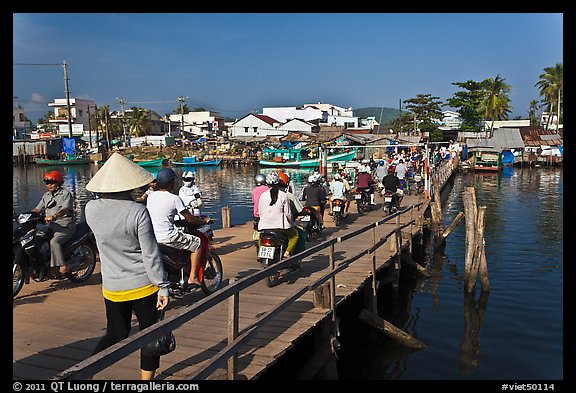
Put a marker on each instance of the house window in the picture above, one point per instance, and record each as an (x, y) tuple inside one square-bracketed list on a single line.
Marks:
[(22, 117), (80, 112), (255, 130), (246, 129)]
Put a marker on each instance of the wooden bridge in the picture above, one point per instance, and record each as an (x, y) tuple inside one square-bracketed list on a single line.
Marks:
[(239, 331)]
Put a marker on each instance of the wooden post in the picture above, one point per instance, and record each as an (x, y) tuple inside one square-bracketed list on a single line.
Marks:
[(470, 221), (436, 210), (482, 266), (391, 331), (226, 217), (453, 225), (233, 318), (374, 284)]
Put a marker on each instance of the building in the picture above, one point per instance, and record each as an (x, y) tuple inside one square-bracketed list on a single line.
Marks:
[(83, 114), (199, 124), (255, 125), (319, 114), (21, 126), (299, 125)]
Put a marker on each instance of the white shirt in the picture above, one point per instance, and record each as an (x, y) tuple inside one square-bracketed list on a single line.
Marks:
[(162, 207), (187, 195), (277, 216)]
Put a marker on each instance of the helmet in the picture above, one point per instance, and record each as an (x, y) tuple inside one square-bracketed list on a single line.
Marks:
[(272, 178), (381, 162), (311, 179), (284, 179), (337, 176), (188, 176), (54, 175), (260, 179), (165, 175)]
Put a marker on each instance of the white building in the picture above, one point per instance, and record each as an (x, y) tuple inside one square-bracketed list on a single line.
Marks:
[(83, 116), (486, 125), (20, 125), (298, 125), (450, 121), (197, 124), (319, 113), (255, 125)]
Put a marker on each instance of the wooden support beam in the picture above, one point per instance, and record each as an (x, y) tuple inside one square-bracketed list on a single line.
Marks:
[(391, 331)]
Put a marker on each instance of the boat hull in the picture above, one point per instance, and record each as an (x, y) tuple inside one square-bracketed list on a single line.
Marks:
[(151, 163), (309, 163), (199, 163), (43, 161)]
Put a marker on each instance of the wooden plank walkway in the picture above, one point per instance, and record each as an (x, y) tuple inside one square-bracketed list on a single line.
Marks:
[(57, 324)]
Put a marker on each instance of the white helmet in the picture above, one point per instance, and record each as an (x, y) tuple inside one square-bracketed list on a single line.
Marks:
[(311, 179), (188, 178)]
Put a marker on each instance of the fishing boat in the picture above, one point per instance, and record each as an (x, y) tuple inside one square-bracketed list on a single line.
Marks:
[(487, 160), (214, 162), (69, 159), (151, 163), (300, 158)]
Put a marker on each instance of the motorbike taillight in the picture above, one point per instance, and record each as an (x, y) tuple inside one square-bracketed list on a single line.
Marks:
[(266, 242)]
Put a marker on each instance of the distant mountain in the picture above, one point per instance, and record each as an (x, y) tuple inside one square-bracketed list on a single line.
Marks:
[(388, 114)]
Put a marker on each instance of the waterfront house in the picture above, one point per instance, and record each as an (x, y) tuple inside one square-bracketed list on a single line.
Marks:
[(255, 125)]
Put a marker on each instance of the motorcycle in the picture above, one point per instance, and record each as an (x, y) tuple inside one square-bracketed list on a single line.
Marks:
[(177, 262), (390, 203), (337, 211), (31, 252), (362, 198), (310, 223), (271, 249)]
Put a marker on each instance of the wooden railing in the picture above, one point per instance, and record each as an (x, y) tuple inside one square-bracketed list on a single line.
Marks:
[(96, 363)]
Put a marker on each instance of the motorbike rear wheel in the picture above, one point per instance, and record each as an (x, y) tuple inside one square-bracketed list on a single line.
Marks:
[(213, 274), (87, 265), (17, 278)]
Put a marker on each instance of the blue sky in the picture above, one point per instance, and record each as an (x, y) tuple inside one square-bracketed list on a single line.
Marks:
[(235, 63)]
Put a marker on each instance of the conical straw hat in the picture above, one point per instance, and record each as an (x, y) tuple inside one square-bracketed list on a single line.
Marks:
[(119, 174)]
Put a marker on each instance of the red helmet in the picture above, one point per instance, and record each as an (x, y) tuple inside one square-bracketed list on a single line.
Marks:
[(284, 179), (54, 175)]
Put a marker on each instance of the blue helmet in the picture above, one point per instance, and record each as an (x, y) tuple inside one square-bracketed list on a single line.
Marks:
[(165, 175)]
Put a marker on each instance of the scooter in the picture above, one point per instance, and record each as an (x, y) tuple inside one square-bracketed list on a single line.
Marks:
[(390, 202), (177, 263), (31, 252), (338, 211), (271, 249), (310, 223), (362, 198)]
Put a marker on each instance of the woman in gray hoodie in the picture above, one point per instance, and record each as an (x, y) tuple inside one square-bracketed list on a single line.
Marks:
[(133, 276)]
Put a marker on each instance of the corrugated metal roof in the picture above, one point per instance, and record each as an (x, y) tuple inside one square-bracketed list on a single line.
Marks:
[(507, 138)]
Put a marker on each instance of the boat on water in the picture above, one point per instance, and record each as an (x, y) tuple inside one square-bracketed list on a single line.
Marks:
[(487, 160), (69, 159), (214, 162), (151, 163), (300, 158)]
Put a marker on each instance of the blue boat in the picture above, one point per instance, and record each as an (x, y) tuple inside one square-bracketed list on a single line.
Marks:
[(215, 162)]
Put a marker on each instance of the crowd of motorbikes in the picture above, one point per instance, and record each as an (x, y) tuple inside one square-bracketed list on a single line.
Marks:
[(31, 256)]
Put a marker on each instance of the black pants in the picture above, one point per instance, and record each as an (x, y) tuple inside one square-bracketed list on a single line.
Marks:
[(119, 317)]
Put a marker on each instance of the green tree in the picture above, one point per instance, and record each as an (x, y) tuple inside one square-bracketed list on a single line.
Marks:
[(138, 121), (104, 118), (468, 103), (425, 109), (551, 88), (181, 109), (532, 113), (496, 103)]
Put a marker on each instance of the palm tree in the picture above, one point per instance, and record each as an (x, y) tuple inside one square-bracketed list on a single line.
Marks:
[(551, 88), (532, 112), (138, 121), (496, 103), (104, 115)]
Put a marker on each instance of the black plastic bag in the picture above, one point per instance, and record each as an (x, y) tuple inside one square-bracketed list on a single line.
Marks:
[(163, 345)]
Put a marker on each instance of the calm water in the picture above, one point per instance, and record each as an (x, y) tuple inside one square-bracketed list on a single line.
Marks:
[(514, 333)]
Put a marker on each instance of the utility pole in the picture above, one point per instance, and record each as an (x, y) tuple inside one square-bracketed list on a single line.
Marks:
[(97, 124), (122, 101), (90, 128), (182, 99), (65, 65)]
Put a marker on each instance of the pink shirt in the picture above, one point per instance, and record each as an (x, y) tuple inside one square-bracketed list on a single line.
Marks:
[(256, 192), (277, 216)]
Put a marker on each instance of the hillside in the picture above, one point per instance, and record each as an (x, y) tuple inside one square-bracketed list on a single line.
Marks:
[(388, 114)]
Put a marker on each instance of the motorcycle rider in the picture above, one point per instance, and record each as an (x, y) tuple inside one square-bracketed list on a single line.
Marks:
[(190, 193), (339, 190), (57, 204), (261, 186), (163, 207), (276, 213), (314, 194), (365, 182), (392, 183), (296, 208)]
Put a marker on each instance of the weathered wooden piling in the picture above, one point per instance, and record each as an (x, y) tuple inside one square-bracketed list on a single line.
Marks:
[(226, 217), (475, 255), (436, 211)]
